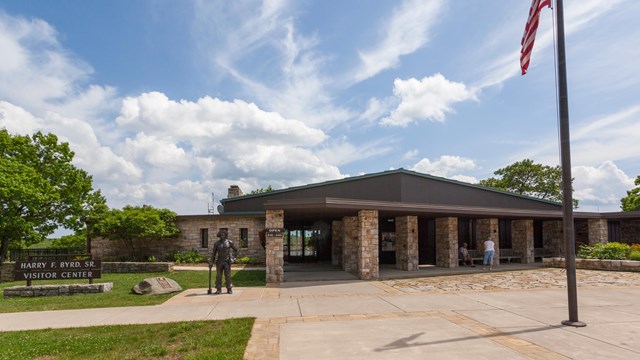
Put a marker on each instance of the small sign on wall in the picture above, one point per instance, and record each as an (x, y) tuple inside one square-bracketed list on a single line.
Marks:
[(274, 232)]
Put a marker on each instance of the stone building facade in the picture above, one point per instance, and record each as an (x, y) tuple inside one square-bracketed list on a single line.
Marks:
[(424, 220)]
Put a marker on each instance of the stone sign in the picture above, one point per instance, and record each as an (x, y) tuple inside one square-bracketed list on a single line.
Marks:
[(156, 286), (57, 269)]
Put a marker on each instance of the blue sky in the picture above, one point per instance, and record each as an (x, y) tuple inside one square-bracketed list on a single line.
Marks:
[(165, 102)]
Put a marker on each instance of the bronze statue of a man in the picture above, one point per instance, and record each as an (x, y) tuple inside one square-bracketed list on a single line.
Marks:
[(223, 255)]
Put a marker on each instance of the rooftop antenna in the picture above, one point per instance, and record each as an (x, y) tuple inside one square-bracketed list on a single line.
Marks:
[(211, 207)]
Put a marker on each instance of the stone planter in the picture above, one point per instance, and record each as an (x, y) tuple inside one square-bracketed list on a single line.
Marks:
[(595, 264)]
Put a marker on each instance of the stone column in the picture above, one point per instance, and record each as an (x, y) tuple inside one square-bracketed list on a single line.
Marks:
[(350, 244), (367, 246), (598, 231), (336, 243), (274, 248), (447, 242), (552, 239), (407, 243), (488, 229), (522, 239)]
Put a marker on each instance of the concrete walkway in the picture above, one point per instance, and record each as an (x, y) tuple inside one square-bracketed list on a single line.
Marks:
[(490, 315)]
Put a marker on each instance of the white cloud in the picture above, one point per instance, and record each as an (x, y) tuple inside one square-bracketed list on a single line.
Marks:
[(446, 166), (341, 151), (293, 83), (600, 188), (613, 137), (38, 74), (406, 31), (410, 154), (430, 98)]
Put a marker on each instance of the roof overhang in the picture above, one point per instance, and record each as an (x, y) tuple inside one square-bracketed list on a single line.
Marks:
[(338, 207)]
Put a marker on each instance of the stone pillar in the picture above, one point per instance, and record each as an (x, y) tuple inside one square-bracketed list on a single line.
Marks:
[(407, 243), (598, 231), (336, 242), (447, 242), (488, 229), (368, 264), (552, 239), (350, 244), (522, 239), (274, 248)]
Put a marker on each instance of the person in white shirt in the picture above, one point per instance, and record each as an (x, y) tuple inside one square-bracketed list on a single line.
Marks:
[(489, 251)]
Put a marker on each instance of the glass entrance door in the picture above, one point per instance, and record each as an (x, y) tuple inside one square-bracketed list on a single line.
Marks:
[(300, 245)]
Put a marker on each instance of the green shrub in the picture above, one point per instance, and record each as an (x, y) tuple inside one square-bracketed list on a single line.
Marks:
[(248, 260), (635, 247), (634, 255), (584, 252), (608, 251), (152, 259), (187, 257)]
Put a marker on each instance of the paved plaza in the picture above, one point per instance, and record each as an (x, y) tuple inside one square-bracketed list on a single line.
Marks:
[(481, 315)]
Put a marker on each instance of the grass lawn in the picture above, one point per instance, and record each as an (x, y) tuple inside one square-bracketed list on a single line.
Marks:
[(221, 339), (121, 294)]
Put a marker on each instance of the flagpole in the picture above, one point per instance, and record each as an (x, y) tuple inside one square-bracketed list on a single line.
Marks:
[(567, 190)]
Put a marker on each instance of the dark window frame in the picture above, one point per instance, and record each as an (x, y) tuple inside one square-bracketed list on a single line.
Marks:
[(204, 238), (244, 238)]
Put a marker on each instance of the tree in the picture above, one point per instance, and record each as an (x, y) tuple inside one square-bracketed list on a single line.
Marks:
[(136, 226), (531, 179), (261, 190), (40, 190), (70, 241), (631, 202)]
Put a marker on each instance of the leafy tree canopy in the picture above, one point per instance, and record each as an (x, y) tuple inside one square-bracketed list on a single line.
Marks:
[(531, 179), (136, 225), (631, 202), (40, 190), (70, 241), (261, 190)]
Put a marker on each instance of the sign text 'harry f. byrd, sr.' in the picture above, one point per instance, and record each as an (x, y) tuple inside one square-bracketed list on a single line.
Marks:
[(58, 269)]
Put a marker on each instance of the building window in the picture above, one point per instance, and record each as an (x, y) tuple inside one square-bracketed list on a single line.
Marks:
[(204, 238), (244, 238)]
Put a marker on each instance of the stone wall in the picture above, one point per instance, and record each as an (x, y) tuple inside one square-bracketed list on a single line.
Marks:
[(254, 225), (118, 250), (595, 264), (407, 243), (368, 262), (336, 243), (447, 242), (630, 231), (56, 290), (522, 239), (350, 244), (136, 267), (188, 239)]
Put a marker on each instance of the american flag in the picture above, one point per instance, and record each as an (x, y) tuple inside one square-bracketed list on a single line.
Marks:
[(530, 32)]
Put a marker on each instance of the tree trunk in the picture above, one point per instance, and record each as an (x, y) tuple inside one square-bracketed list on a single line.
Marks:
[(4, 246)]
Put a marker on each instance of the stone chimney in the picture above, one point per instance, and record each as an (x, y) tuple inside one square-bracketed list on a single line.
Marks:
[(234, 190)]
